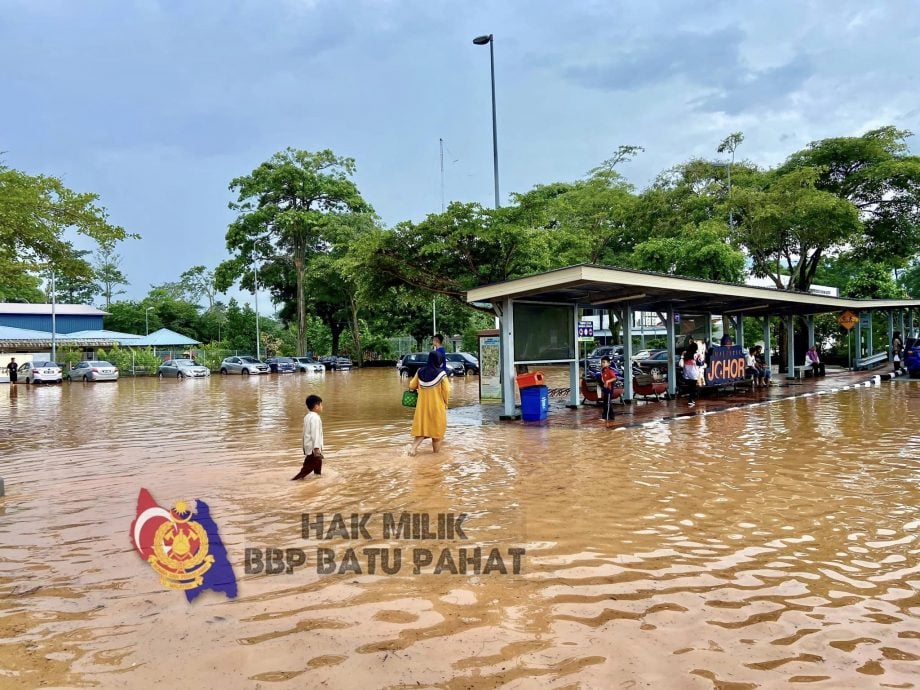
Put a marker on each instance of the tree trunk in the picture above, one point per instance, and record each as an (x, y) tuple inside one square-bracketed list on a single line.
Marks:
[(356, 330), (299, 269), (336, 329)]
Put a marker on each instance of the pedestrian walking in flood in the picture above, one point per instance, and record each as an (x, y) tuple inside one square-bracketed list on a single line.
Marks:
[(691, 372), (312, 438), (430, 420), (12, 369)]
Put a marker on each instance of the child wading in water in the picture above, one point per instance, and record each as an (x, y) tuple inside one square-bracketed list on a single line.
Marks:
[(312, 438)]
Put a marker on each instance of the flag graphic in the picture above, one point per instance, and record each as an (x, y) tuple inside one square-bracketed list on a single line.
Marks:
[(183, 546)]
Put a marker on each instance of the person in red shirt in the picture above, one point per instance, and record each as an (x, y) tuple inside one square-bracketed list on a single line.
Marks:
[(608, 379)]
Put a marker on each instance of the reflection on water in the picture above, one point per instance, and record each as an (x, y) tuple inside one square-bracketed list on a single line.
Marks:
[(751, 548)]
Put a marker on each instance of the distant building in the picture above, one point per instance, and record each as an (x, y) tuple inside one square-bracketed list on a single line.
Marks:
[(823, 290), (37, 317)]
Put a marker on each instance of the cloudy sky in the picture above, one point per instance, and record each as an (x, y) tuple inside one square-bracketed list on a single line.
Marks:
[(156, 105)]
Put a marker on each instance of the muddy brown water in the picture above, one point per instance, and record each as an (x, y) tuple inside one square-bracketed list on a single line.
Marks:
[(754, 548)]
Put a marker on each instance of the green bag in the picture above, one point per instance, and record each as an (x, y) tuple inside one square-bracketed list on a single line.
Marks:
[(410, 398)]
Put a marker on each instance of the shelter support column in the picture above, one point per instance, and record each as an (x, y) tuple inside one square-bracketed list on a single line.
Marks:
[(672, 364), (767, 350), (790, 347), (890, 335), (574, 393), (627, 353), (810, 320), (903, 332), (739, 329), (858, 354), (709, 329), (870, 350), (507, 354)]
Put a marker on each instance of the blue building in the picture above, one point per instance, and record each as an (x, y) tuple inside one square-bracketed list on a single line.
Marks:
[(69, 318)]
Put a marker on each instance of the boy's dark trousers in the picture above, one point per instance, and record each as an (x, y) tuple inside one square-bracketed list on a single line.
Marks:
[(606, 395), (313, 463)]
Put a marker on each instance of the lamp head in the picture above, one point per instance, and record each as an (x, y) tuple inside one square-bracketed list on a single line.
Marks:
[(482, 40)]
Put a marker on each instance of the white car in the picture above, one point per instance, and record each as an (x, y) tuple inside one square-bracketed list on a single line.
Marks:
[(307, 365), (40, 372), (94, 370)]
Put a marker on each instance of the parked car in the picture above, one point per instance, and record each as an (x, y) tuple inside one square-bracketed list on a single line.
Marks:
[(658, 360), (469, 362), (644, 354), (592, 363), (40, 372), (94, 370), (412, 363), (182, 369), (281, 365), (309, 365), (243, 365), (912, 357), (333, 363)]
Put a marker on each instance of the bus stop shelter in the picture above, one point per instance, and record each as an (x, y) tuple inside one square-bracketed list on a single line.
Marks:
[(539, 315)]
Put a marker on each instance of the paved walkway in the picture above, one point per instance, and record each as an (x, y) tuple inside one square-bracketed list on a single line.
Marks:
[(643, 412)]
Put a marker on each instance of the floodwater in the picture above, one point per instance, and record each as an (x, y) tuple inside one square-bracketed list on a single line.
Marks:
[(754, 548)]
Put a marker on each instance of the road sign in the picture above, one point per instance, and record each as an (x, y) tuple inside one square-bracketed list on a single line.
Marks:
[(848, 319), (585, 329), (865, 319)]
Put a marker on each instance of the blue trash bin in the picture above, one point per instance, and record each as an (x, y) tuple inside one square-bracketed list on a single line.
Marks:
[(534, 403)]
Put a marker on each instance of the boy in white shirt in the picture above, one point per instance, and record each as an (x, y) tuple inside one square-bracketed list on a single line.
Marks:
[(312, 438)]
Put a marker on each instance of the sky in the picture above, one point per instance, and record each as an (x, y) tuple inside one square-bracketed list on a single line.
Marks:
[(157, 105)]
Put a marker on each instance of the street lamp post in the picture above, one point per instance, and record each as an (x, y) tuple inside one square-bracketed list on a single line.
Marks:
[(147, 320), (255, 264), (53, 319), (481, 41)]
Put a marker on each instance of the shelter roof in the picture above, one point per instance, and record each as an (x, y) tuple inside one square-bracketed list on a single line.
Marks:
[(605, 287), (163, 337)]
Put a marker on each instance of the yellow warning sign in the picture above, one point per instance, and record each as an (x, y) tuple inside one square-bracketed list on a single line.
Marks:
[(848, 319)]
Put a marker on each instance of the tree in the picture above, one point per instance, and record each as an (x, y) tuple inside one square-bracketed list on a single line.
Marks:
[(286, 206), (198, 282), (876, 173), (701, 251), (449, 253), (730, 144), (35, 213), (76, 289), (109, 274), (788, 225)]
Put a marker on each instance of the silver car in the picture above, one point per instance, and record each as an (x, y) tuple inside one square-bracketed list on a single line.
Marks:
[(40, 372), (94, 370), (182, 369), (305, 364), (243, 365)]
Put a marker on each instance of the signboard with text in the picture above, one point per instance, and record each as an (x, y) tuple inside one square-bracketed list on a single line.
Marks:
[(490, 382), (585, 329), (726, 365)]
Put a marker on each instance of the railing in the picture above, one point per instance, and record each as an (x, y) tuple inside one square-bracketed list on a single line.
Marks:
[(871, 360)]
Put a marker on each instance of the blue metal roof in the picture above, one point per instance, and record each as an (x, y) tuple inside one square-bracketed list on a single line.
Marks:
[(11, 333)]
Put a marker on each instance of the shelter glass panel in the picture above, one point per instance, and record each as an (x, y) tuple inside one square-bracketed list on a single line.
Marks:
[(543, 332)]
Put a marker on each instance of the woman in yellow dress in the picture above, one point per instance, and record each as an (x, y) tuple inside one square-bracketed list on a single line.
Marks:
[(433, 388)]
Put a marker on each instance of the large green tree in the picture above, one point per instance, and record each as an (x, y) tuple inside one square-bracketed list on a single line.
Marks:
[(286, 206), (788, 225), (37, 212), (878, 175)]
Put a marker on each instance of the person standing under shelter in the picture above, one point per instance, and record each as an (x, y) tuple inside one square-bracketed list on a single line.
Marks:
[(12, 368), (691, 372), (430, 420), (897, 350), (608, 379)]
